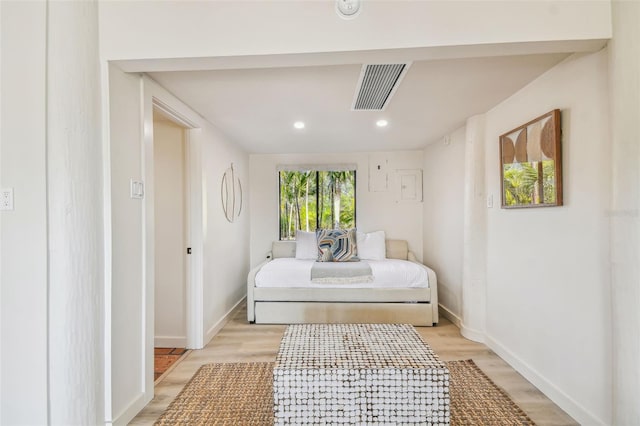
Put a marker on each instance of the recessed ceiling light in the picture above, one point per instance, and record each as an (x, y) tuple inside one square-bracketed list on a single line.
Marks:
[(298, 125), (382, 123)]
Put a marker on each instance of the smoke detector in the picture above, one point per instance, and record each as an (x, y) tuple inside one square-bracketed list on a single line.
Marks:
[(347, 9)]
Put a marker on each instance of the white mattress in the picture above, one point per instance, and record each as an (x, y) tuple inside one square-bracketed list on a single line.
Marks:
[(388, 273)]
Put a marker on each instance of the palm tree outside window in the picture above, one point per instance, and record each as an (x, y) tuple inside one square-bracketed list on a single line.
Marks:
[(316, 199)]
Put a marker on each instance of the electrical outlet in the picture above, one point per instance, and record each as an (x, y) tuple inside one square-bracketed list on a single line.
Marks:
[(6, 199)]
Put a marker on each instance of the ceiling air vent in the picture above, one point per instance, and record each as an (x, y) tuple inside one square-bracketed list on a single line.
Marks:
[(377, 85)]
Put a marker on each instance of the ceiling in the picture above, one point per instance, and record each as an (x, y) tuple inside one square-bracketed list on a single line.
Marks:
[(256, 107)]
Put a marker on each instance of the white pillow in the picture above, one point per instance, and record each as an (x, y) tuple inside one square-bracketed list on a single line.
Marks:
[(371, 246), (306, 245)]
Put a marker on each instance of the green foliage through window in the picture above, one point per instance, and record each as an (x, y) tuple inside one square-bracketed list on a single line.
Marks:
[(311, 200), (521, 183)]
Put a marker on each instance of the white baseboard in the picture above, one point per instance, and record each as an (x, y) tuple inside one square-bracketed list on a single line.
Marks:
[(123, 419), (469, 333), (448, 314), (215, 328), (472, 334), (170, 342), (561, 399)]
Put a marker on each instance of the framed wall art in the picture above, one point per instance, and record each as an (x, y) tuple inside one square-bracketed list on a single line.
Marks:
[(231, 195), (531, 163)]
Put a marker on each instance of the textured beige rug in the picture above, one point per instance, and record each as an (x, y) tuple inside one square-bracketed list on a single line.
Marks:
[(476, 400), (240, 393)]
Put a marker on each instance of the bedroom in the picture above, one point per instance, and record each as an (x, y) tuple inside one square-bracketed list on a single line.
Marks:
[(587, 86)]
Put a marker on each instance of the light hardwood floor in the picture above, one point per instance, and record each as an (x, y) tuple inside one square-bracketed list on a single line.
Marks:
[(239, 341)]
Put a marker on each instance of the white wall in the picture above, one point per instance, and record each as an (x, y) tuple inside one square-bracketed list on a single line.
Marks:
[(126, 369), (226, 245), (23, 231), (374, 210), (51, 243), (444, 173), (75, 215), (224, 275), (624, 86), (548, 294), (170, 240), (134, 30)]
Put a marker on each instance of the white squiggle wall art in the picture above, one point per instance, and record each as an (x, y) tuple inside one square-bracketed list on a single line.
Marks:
[(231, 195)]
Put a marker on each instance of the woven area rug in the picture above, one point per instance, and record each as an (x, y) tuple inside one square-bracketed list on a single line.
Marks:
[(240, 393), (476, 400)]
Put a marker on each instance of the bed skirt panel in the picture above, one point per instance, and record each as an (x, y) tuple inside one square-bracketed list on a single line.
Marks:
[(419, 314), (299, 294)]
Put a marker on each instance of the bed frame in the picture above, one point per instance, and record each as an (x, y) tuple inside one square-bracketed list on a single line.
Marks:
[(416, 306)]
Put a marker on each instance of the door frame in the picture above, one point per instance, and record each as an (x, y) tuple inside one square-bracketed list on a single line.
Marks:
[(154, 96)]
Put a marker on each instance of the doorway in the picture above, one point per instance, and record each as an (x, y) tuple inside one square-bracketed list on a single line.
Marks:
[(157, 99), (171, 230)]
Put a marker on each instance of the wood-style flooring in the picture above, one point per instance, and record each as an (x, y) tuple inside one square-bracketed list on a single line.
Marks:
[(239, 341)]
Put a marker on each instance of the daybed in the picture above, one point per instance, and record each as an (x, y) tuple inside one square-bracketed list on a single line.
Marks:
[(325, 303)]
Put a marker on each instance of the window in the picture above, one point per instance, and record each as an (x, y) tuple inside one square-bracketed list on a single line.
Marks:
[(316, 199)]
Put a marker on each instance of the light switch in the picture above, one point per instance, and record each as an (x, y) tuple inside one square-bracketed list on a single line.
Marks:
[(489, 201), (137, 189)]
